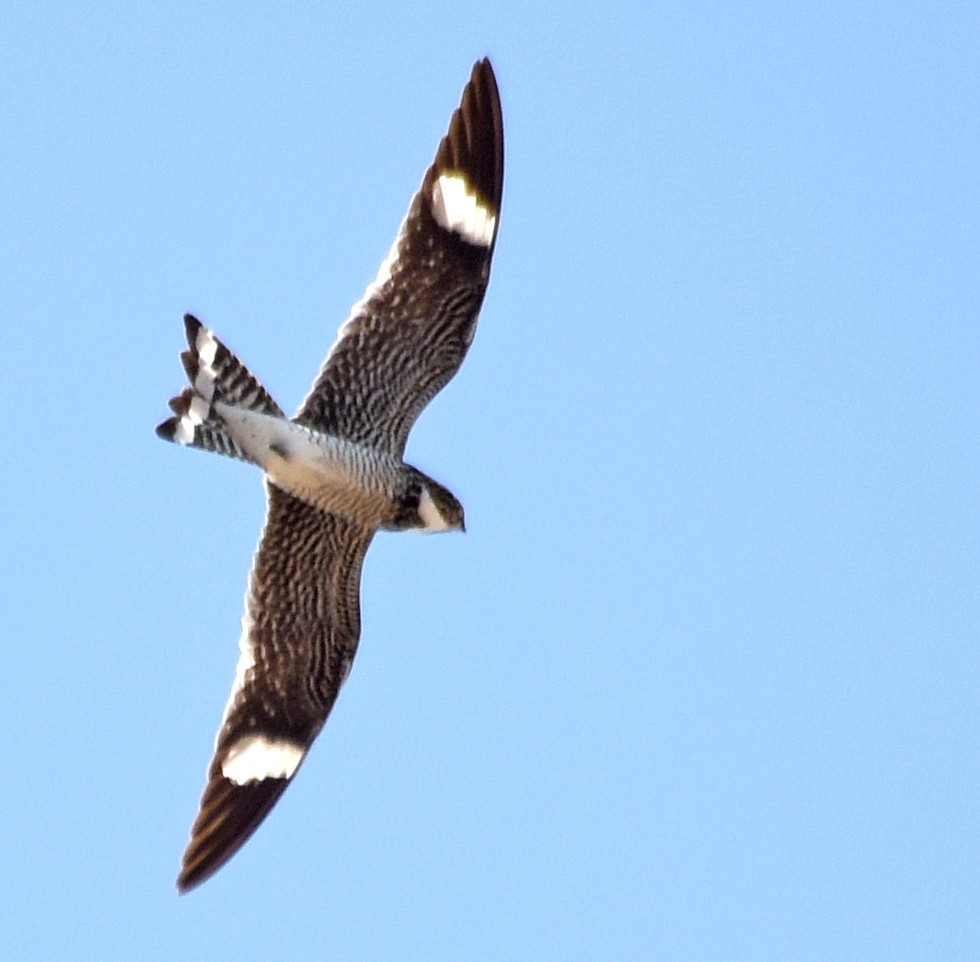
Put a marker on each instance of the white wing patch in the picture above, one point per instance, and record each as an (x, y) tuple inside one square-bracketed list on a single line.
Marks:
[(255, 757), (458, 208)]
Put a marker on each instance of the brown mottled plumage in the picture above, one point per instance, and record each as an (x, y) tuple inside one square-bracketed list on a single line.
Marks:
[(335, 474)]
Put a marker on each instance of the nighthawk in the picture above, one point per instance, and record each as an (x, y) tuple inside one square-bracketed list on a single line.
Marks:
[(334, 473)]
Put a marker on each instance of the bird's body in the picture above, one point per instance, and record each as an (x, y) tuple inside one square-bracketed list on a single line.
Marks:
[(335, 473)]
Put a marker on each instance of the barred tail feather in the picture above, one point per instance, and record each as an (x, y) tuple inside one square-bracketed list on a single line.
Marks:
[(215, 374), (191, 428)]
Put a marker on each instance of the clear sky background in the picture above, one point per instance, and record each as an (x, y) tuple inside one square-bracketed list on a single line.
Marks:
[(701, 680)]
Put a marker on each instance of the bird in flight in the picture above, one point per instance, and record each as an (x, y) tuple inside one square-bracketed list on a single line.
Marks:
[(335, 472)]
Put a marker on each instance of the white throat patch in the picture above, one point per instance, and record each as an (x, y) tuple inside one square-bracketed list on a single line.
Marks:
[(457, 208), (432, 520)]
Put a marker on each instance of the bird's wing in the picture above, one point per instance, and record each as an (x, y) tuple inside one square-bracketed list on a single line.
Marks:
[(300, 633), (409, 334)]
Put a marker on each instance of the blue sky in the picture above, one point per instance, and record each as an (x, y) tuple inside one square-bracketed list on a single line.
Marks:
[(700, 681)]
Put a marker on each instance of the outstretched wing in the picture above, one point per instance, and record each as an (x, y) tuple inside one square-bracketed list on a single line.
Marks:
[(409, 334), (403, 342), (300, 633)]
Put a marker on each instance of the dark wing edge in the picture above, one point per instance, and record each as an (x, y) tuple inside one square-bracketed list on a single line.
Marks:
[(300, 635), (474, 144), (408, 335), (229, 816)]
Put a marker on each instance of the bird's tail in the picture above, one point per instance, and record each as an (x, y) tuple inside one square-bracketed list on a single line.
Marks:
[(215, 374)]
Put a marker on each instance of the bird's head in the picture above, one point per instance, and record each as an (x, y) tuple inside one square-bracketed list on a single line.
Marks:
[(439, 510)]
